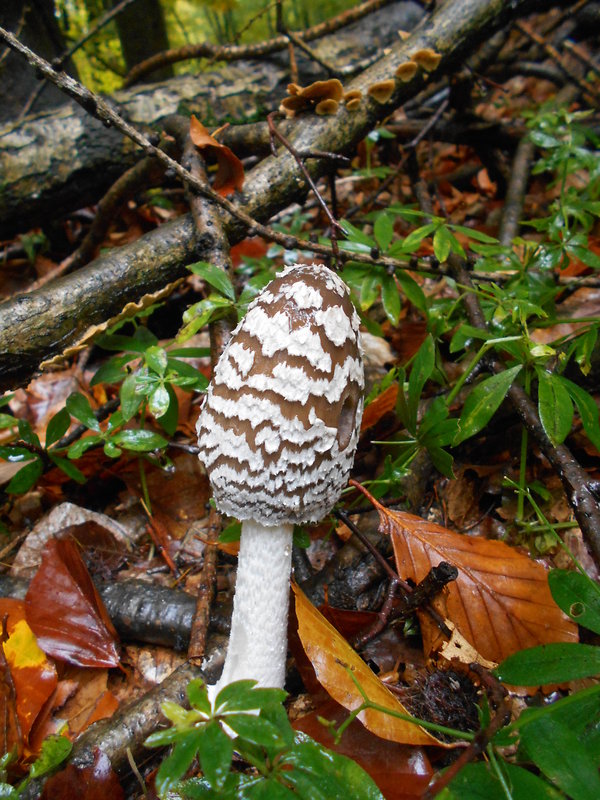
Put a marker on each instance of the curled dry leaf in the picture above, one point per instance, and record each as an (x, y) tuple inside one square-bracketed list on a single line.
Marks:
[(65, 611), (500, 602), (230, 173), (334, 662)]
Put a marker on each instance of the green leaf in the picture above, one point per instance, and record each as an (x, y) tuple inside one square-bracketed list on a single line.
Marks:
[(550, 663), (544, 140), (442, 243), (554, 406), (420, 373), (320, 774), (198, 696), (482, 403), (478, 236), (587, 408), (190, 352), (215, 276), (243, 696), (26, 477), (139, 440), (199, 381), (79, 407), (79, 447), (257, 730), (390, 298), (383, 230), (414, 239), (158, 402), (58, 426), (578, 596), (478, 782), (562, 756), (175, 765), (130, 399), (112, 371), (215, 751), (412, 290), (168, 421), (156, 358), (68, 468), (7, 421), (54, 751), (357, 236)]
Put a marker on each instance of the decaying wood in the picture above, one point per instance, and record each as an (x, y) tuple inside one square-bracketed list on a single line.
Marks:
[(42, 324), (65, 159)]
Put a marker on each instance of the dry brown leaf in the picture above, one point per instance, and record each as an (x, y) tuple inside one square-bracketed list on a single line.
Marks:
[(500, 601), (383, 403), (333, 660), (230, 174)]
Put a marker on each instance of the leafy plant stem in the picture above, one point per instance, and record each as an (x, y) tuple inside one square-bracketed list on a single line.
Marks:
[(498, 772), (485, 347), (523, 458)]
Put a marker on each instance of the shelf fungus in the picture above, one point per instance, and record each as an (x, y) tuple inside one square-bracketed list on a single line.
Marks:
[(321, 96), (277, 436), (427, 59), (407, 71), (382, 91)]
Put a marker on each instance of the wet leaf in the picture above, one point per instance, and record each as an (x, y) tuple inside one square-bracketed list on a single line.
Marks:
[(230, 173), (34, 677), (95, 782), (500, 602), (334, 661), (65, 611)]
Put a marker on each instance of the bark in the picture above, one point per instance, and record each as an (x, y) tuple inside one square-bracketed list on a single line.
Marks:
[(67, 159), (42, 324), (137, 48)]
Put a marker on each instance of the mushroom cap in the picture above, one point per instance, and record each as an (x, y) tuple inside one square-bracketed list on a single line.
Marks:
[(280, 423)]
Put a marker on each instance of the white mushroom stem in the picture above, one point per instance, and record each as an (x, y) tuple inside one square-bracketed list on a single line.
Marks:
[(258, 640)]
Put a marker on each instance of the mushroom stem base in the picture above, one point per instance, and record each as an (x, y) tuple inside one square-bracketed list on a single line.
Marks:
[(258, 641)]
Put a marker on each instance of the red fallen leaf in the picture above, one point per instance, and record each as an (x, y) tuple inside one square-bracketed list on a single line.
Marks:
[(96, 782), (252, 247), (402, 772), (230, 174), (65, 611)]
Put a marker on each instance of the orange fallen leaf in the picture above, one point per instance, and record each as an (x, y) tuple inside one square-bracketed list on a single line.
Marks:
[(383, 403), (65, 611), (334, 662), (500, 602), (230, 172)]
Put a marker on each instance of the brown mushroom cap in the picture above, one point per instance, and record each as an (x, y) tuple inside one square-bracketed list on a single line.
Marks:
[(279, 426), (382, 91), (427, 58), (325, 107), (407, 71)]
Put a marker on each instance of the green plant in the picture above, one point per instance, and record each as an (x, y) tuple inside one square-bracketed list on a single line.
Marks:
[(246, 726)]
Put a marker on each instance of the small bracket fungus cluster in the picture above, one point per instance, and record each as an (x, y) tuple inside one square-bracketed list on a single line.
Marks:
[(322, 97), (277, 435)]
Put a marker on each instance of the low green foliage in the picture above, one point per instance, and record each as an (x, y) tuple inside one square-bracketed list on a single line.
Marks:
[(249, 725)]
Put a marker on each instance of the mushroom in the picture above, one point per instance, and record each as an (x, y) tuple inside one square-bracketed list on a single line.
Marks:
[(382, 91), (309, 97), (277, 435), (427, 58), (407, 71)]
